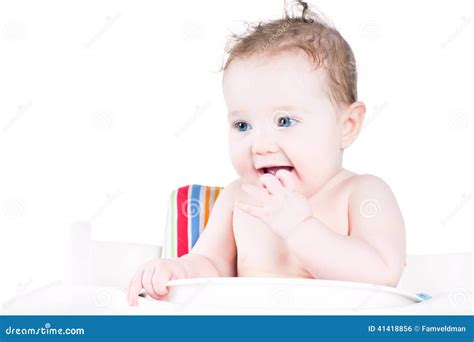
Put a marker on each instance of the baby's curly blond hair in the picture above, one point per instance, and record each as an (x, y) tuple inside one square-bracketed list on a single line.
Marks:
[(307, 32)]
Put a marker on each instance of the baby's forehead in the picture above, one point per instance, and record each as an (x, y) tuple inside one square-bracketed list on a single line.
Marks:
[(276, 76), (285, 60)]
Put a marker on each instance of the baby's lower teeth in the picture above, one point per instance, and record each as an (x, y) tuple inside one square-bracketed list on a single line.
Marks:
[(274, 170)]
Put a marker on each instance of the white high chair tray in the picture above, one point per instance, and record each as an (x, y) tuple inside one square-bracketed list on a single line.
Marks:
[(268, 293), (64, 299)]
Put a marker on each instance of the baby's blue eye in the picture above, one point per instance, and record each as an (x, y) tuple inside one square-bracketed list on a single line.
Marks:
[(242, 126), (286, 121)]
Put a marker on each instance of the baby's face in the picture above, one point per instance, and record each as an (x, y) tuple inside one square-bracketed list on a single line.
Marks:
[(280, 116)]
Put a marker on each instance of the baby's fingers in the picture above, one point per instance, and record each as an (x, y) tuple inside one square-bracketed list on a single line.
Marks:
[(259, 212), (135, 287), (260, 195), (272, 184), (147, 281), (159, 282), (287, 179)]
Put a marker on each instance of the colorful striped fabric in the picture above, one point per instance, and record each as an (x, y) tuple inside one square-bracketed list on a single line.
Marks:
[(189, 208)]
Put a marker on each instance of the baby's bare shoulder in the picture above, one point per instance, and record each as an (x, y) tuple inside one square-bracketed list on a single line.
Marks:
[(371, 196), (367, 183), (230, 193)]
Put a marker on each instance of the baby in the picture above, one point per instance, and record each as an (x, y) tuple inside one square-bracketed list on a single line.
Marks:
[(290, 87)]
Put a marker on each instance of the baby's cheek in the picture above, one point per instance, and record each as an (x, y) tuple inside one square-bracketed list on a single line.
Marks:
[(308, 161), (240, 163), (245, 170), (304, 154)]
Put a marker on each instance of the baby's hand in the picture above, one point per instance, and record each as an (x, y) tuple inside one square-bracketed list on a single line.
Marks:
[(152, 277), (278, 205)]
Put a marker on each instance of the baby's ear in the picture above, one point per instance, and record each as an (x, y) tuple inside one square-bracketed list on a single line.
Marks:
[(352, 120)]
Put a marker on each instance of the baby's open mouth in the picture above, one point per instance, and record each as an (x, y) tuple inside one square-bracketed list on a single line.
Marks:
[(273, 169)]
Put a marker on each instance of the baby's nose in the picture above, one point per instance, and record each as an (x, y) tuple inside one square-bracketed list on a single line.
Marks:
[(263, 144)]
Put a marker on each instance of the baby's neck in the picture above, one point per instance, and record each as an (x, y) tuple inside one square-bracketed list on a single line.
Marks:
[(339, 176)]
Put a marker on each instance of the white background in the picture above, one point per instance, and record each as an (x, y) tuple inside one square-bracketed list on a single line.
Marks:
[(105, 107)]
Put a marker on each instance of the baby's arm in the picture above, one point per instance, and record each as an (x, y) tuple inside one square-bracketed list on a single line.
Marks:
[(213, 255), (374, 251)]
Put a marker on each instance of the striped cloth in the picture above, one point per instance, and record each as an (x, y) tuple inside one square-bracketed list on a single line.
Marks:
[(189, 208)]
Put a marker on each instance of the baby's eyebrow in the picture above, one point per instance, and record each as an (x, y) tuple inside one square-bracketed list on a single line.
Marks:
[(287, 108), (235, 113)]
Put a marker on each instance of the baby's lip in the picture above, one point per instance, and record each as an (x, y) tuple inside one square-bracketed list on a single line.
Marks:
[(273, 169)]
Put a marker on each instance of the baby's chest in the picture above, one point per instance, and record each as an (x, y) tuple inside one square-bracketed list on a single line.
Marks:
[(253, 237)]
